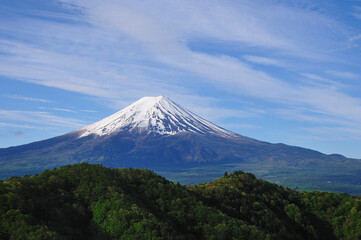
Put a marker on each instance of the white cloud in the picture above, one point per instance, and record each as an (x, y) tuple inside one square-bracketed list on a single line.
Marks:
[(130, 50), (35, 65), (18, 97), (355, 38), (239, 126), (167, 44), (37, 117), (335, 133), (5, 124), (63, 110), (263, 60), (305, 115), (320, 82), (357, 12), (338, 74), (316, 77), (219, 113), (88, 111)]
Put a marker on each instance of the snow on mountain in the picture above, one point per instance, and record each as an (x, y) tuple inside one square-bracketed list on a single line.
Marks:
[(154, 114)]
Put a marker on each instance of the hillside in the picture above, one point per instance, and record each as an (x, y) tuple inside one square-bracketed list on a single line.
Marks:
[(86, 201)]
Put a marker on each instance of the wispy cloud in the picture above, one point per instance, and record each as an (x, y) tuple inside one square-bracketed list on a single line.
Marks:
[(44, 67), (263, 60), (239, 126), (219, 113), (316, 77), (164, 40), (88, 111), (321, 82), (338, 74), (357, 12), (158, 32), (18, 97), (5, 124), (153, 48), (63, 110), (334, 133), (355, 38), (305, 115), (43, 118)]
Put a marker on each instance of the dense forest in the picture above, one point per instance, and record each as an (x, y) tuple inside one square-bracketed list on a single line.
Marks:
[(86, 201)]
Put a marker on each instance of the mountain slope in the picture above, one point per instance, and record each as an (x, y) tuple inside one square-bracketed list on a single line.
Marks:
[(157, 115), (158, 134), (93, 202)]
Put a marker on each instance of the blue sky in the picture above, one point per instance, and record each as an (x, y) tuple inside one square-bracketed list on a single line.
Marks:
[(278, 71)]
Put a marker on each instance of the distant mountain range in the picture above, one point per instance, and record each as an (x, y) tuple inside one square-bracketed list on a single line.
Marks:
[(158, 134)]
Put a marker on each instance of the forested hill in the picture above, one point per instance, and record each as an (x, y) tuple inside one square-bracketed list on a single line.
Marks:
[(93, 202)]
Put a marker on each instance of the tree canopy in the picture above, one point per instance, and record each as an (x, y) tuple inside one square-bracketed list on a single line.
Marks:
[(87, 201)]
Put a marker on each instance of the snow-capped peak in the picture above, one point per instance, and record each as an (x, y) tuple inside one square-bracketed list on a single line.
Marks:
[(154, 114)]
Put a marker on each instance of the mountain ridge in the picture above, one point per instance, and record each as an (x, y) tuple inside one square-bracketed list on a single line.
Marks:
[(190, 150)]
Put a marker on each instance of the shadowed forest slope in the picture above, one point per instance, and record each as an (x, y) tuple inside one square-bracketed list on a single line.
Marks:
[(87, 201)]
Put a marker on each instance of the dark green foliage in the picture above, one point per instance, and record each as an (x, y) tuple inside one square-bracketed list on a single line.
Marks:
[(93, 202)]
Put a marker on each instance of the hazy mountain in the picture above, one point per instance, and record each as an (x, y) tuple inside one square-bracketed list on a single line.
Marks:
[(158, 134)]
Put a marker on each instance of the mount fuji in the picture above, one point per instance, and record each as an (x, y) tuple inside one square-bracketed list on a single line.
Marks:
[(158, 134), (154, 115)]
